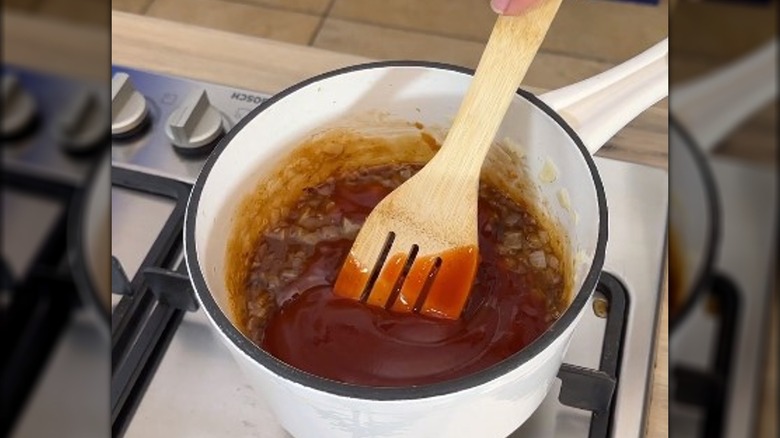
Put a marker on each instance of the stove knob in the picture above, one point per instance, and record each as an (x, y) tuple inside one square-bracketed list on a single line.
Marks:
[(194, 127), (81, 128), (128, 106), (19, 107)]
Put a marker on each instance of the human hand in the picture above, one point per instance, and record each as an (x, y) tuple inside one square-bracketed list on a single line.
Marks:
[(512, 7)]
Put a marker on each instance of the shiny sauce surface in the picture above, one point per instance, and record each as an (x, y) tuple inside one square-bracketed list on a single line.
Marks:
[(292, 312)]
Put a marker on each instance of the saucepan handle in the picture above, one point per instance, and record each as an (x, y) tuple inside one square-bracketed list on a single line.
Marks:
[(710, 107), (598, 107)]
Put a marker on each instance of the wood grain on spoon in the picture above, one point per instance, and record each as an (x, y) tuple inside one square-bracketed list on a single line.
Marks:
[(418, 249)]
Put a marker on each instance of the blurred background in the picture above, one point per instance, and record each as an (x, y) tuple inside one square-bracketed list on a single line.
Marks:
[(723, 219), (54, 325)]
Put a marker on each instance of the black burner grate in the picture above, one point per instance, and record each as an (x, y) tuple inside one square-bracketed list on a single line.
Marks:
[(707, 389), (154, 302), (35, 309), (594, 390)]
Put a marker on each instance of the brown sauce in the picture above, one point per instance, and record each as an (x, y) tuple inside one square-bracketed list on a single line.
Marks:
[(291, 311), (442, 298)]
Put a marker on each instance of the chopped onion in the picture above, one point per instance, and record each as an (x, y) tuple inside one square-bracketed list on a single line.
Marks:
[(512, 219), (350, 228), (513, 240), (534, 242), (537, 259), (553, 261)]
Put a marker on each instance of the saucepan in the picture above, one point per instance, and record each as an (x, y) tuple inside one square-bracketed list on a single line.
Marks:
[(704, 111), (563, 127), (89, 242)]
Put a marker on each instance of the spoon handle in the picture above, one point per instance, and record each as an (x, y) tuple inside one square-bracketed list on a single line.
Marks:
[(510, 50)]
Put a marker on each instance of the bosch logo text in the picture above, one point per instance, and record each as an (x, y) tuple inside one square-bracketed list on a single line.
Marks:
[(243, 97)]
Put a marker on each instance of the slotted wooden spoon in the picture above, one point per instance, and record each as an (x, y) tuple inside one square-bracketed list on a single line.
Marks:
[(418, 249)]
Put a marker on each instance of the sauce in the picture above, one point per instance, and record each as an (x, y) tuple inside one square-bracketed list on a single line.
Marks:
[(294, 314), (436, 285)]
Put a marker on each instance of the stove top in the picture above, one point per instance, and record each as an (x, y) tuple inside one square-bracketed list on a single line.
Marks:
[(172, 376), (53, 345), (717, 353)]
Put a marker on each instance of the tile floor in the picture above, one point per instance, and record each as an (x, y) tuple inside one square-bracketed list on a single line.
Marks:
[(586, 37), (598, 33)]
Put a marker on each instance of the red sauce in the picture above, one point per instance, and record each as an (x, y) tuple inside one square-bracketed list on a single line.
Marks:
[(442, 298), (339, 338)]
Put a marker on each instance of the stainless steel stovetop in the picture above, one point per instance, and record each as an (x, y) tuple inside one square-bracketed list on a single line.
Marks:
[(36, 197), (198, 390), (748, 247)]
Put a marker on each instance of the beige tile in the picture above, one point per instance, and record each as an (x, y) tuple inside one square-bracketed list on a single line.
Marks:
[(134, 6), (548, 70), (465, 19), (606, 30), (597, 29), (90, 12), (20, 5), (720, 31), (684, 67), (316, 7), (239, 18)]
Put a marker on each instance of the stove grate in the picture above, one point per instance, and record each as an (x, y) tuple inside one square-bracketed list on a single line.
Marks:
[(149, 312), (154, 302), (36, 308), (707, 389)]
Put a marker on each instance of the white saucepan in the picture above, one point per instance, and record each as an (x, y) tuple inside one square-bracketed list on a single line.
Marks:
[(563, 127), (703, 112), (89, 242)]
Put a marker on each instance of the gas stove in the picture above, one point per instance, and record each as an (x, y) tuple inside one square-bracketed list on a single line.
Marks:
[(172, 376)]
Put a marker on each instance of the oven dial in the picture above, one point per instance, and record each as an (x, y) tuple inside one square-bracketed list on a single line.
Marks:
[(19, 107), (194, 127), (81, 128), (128, 106)]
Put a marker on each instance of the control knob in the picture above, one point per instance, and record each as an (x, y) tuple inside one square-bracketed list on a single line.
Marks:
[(81, 127), (194, 127), (19, 107), (128, 106)]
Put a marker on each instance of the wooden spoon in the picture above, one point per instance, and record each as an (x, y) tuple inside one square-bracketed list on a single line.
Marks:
[(418, 249)]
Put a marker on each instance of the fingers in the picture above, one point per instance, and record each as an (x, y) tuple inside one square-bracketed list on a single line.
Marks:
[(512, 7)]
